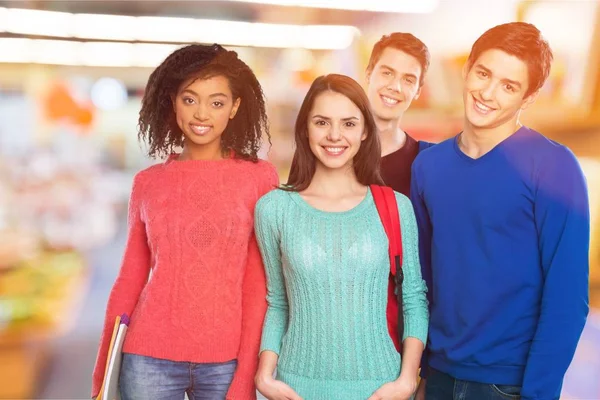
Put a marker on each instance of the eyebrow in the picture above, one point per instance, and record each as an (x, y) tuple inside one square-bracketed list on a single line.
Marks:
[(329, 119), (489, 72), (387, 67), (196, 94)]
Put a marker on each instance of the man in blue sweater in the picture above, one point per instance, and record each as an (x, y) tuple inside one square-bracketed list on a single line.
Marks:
[(504, 227)]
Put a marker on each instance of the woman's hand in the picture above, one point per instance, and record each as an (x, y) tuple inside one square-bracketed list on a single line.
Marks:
[(421, 390), (273, 389), (400, 389)]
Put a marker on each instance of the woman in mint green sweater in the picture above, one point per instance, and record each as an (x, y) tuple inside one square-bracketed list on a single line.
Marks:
[(326, 257)]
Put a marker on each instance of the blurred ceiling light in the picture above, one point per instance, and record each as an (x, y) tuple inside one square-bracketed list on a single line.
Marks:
[(16, 50), (37, 22), (109, 94), (175, 30), (395, 6), (61, 52), (93, 54), (104, 27)]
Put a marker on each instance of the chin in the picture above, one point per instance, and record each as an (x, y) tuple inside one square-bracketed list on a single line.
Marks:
[(386, 115), (333, 165), (201, 141)]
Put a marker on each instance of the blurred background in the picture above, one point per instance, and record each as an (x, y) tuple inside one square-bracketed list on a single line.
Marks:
[(72, 74)]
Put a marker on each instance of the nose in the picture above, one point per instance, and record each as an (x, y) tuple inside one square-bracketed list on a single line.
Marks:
[(334, 134), (394, 85), (201, 112), (487, 92)]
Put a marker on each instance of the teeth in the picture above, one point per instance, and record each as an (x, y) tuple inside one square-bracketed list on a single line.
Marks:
[(389, 100), (482, 107), (334, 150), (200, 129)]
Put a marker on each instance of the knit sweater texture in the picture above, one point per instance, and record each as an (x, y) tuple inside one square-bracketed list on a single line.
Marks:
[(192, 278), (327, 277)]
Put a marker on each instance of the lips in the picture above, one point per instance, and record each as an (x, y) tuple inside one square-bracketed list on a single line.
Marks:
[(334, 150), (200, 130), (389, 101), (481, 108)]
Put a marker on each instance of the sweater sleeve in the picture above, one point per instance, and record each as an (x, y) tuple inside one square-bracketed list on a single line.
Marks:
[(424, 238), (253, 312), (414, 299), (563, 224), (268, 236), (130, 282)]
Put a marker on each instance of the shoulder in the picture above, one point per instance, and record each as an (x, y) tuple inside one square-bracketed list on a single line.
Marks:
[(408, 222), (404, 204), (423, 145), (549, 155), (146, 175), (149, 172), (272, 201), (262, 170), (429, 153)]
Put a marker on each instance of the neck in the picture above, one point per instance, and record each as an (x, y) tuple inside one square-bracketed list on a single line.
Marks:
[(392, 138), (334, 183), (476, 142), (193, 151)]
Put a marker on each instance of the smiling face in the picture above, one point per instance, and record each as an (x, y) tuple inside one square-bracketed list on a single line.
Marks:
[(393, 84), (203, 108), (494, 90), (336, 128)]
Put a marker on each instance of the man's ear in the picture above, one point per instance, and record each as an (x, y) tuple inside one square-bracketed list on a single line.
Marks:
[(418, 93), (529, 100), (465, 70)]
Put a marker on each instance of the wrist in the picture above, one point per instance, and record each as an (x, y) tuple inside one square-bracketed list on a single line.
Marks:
[(407, 379), (407, 374), (262, 377)]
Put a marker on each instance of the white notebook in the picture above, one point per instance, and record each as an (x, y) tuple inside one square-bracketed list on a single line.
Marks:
[(110, 387)]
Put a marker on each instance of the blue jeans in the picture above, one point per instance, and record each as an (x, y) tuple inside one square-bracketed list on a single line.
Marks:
[(441, 386), (147, 378)]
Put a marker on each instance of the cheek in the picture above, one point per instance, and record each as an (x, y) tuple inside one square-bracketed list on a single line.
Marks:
[(315, 135), (473, 83), (181, 112), (355, 136), (410, 91), (377, 82), (221, 115), (509, 102)]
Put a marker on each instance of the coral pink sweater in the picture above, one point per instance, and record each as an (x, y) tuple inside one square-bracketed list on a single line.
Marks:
[(192, 278)]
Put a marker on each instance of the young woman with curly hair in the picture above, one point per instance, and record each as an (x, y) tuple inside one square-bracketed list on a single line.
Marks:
[(191, 278)]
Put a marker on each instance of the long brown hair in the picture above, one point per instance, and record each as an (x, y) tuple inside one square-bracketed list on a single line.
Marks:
[(366, 161)]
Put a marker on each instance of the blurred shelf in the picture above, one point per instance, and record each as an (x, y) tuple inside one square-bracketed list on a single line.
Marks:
[(25, 344)]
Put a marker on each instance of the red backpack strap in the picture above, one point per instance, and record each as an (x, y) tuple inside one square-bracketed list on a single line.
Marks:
[(396, 246), (379, 196), (387, 207), (385, 201)]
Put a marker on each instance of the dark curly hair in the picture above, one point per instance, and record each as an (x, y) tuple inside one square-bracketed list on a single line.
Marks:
[(157, 126)]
